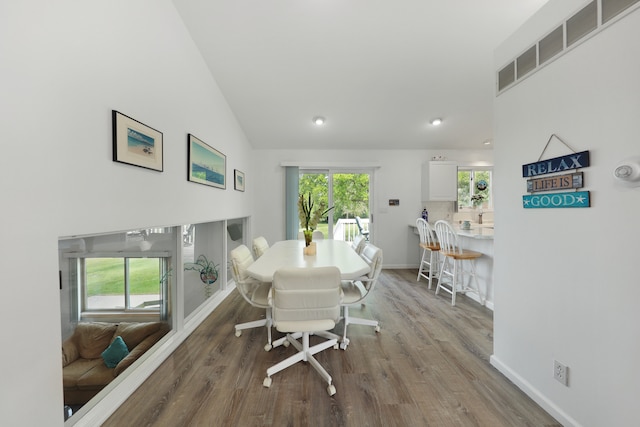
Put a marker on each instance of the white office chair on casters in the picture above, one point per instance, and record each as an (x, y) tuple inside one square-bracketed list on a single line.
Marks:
[(453, 272), (356, 291), (305, 301), (260, 246), (358, 243), (430, 251), (362, 230), (253, 291)]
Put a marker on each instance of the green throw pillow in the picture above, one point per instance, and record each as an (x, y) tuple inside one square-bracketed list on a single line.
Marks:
[(115, 352)]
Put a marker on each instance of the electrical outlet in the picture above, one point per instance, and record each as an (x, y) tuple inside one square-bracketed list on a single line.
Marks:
[(561, 372)]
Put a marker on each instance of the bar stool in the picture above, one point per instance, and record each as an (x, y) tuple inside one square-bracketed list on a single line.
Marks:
[(452, 266), (430, 251)]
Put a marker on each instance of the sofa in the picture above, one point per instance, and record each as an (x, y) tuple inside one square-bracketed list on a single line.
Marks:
[(94, 345)]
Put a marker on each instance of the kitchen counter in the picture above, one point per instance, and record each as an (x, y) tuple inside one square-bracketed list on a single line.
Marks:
[(477, 231)]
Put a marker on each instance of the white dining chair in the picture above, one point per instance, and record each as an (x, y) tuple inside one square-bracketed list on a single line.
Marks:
[(306, 301), (358, 243), (260, 246), (253, 291), (357, 291)]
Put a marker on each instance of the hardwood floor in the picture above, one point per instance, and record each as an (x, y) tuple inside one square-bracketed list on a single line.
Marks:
[(429, 366)]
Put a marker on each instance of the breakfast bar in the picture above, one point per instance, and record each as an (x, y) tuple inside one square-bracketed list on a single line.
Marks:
[(479, 238)]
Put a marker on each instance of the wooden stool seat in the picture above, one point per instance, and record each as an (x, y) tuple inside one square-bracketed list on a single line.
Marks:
[(465, 254), (431, 247)]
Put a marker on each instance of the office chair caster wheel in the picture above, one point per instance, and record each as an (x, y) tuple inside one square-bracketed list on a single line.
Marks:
[(377, 328), (238, 332), (268, 347), (335, 346), (267, 382), (331, 390), (344, 344), (286, 343)]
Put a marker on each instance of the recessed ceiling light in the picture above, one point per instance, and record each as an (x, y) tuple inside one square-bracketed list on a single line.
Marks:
[(436, 122), (318, 120), (487, 142)]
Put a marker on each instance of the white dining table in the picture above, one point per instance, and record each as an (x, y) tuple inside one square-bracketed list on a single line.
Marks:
[(289, 253)]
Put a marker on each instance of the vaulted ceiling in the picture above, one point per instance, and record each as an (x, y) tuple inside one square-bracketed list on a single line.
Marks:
[(377, 70)]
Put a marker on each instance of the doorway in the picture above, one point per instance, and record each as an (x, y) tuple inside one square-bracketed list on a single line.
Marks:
[(348, 192)]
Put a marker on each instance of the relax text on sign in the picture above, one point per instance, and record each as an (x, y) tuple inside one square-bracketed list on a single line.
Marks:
[(558, 164)]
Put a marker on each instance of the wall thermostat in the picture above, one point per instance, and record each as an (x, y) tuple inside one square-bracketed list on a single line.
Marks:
[(627, 171)]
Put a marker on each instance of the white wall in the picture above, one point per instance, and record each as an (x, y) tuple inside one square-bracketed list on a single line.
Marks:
[(398, 176), (566, 284), (65, 66)]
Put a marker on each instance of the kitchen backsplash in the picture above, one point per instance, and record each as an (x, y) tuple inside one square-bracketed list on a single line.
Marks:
[(445, 210)]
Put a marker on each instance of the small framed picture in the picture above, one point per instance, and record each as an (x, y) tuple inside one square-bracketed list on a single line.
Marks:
[(135, 143), (206, 165), (239, 180)]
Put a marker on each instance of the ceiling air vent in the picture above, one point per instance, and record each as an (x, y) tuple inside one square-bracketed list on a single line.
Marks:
[(506, 76), (587, 22), (611, 8), (582, 23), (551, 45), (526, 62)]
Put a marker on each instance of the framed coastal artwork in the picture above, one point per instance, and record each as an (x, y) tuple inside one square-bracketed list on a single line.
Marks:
[(206, 165), (239, 180), (135, 143)]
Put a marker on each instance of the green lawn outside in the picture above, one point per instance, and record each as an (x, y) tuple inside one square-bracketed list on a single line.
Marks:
[(105, 276)]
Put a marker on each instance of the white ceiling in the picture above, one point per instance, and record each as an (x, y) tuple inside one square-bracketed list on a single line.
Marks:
[(378, 70)]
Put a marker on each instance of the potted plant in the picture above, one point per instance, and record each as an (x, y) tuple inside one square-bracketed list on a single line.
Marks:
[(309, 217), (208, 271)]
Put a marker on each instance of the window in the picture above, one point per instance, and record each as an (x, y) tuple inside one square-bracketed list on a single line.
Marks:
[(123, 284), (346, 192), (474, 189)]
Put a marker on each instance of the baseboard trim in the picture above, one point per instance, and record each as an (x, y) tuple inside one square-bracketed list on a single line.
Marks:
[(535, 394)]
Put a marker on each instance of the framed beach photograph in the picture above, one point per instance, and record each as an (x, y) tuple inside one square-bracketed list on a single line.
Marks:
[(135, 143), (239, 180), (206, 165)]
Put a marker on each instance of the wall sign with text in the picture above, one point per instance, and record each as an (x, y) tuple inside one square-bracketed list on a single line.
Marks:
[(541, 182)]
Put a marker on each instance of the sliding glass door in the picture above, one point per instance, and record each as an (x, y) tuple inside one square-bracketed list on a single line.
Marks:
[(347, 192)]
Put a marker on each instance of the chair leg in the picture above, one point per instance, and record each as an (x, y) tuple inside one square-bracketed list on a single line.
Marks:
[(268, 322), (473, 279), (454, 281), (348, 320), (443, 267), (421, 265), (431, 271), (305, 353), (433, 267)]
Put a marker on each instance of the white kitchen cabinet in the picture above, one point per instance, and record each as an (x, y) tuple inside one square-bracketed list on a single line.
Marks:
[(440, 181)]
